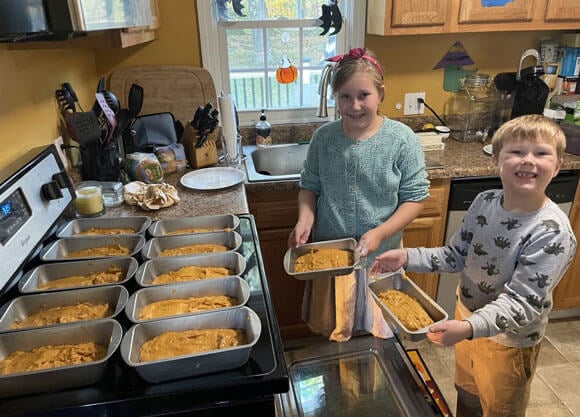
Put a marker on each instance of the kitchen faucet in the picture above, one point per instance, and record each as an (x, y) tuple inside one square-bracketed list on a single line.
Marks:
[(325, 78)]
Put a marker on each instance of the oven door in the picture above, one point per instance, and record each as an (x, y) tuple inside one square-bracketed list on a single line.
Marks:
[(364, 376)]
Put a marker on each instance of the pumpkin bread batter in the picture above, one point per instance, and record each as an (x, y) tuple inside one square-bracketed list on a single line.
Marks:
[(197, 230), (192, 273), (407, 309), (110, 276), (177, 306), (191, 249), (46, 357), (110, 250), (324, 259), (105, 231), (187, 342), (63, 314)]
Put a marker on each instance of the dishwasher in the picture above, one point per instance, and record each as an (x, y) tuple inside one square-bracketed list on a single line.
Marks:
[(463, 190)]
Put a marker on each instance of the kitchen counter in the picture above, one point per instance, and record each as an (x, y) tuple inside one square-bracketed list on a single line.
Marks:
[(230, 200), (458, 159)]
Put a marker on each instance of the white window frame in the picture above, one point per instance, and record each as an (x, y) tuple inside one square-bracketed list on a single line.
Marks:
[(352, 35)]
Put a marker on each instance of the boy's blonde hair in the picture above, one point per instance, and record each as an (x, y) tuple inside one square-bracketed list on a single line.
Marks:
[(533, 127), (348, 66)]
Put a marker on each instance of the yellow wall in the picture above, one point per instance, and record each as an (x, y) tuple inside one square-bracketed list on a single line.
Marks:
[(28, 78)]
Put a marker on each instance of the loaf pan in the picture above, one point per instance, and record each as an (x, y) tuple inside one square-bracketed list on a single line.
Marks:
[(149, 270), (106, 332), (22, 307), (293, 253), (52, 271), (195, 364), (397, 282), (231, 286), (60, 248), (155, 246), (220, 223), (139, 225)]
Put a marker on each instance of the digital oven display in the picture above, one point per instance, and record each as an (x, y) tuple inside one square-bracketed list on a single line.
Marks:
[(14, 212)]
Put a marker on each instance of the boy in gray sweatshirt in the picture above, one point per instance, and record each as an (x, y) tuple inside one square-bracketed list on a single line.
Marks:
[(513, 248)]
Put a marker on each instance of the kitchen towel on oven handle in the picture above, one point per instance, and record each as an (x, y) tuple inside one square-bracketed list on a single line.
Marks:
[(156, 129)]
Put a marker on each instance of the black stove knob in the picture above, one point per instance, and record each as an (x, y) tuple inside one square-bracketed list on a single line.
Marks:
[(51, 190)]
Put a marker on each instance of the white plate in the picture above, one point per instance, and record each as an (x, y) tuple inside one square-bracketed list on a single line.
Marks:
[(487, 149), (212, 178)]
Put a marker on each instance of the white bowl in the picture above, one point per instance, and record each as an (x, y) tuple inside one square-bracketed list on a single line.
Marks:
[(443, 131)]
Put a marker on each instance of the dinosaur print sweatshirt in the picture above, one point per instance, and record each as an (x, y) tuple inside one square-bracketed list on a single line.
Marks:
[(510, 263)]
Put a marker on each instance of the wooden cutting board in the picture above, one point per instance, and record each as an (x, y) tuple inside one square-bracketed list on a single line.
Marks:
[(166, 88)]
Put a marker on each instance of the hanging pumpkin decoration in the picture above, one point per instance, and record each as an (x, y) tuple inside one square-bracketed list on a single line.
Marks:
[(286, 72)]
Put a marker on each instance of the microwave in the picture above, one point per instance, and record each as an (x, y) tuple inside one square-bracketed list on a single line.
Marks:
[(27, 20)]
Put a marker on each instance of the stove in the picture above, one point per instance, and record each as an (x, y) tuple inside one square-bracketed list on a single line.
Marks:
[(36, 197)]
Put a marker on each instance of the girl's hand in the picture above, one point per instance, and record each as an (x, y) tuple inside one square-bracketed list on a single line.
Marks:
[(369, 242), (390, 261), (450, 332), (299, 235)]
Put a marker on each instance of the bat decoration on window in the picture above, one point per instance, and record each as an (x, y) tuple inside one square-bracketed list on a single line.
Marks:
[(236, 5), (331, 18)]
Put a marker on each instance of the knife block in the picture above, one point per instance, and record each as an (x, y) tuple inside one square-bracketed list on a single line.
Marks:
[(201, 157)]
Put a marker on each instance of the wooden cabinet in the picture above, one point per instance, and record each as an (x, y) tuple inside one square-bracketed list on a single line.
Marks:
[(428, 230), (276, 213), (113, 38), (567, 293), (407, 17)]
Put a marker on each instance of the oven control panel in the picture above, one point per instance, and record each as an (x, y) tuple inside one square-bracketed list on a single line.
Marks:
[(26, 214)]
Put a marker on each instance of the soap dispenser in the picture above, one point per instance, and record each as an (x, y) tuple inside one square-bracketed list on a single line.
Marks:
[(263, 131)]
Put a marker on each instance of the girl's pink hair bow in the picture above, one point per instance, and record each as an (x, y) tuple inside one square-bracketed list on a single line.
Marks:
[(357, 53)]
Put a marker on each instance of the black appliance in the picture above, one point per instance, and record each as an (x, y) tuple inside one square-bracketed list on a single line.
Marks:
[(32, 20), (35, 201), (527, 90)]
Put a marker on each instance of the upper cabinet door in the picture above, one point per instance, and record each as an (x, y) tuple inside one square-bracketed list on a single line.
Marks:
[(562, 10), (472, 11), (408, 13)]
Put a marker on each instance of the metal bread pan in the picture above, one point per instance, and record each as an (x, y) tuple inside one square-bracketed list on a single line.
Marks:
[(49, 272), (60, 248), (139, 225), (24, 306), (231, 286), (195, 364), (398, 282), (106, 332), (153, 247), (293, 253), (149, 270), (220, 223)]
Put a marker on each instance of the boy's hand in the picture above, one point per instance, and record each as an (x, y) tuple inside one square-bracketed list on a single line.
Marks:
[(390, 261), (450, 332)]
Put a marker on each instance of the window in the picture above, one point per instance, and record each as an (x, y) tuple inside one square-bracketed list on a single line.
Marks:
[(256, 45)]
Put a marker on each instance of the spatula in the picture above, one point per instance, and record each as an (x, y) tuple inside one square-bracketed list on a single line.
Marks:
[(135, 99)]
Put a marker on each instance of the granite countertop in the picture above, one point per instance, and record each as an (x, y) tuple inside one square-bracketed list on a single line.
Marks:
[(230, 200), (458, 159)]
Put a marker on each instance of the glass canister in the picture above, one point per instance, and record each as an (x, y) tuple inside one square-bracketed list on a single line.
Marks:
[(471, 113)]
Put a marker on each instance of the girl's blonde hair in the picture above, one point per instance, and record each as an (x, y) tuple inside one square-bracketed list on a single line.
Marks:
[(533, 127), (349, 65)]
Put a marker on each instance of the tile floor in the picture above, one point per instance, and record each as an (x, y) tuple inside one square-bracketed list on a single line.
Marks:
[(556, 386)]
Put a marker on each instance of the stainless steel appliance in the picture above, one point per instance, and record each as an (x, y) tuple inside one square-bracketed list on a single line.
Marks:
[(64, 19), (463, 190), (35, 197), (364, 376)]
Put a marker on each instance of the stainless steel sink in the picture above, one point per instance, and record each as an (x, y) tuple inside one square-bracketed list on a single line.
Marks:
[(276, 162)]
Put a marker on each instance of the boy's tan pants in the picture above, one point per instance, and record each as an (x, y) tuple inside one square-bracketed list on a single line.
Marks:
[(493, 380)]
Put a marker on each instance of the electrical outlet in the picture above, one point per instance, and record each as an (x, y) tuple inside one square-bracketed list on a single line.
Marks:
[(412, 106), (59, 143)]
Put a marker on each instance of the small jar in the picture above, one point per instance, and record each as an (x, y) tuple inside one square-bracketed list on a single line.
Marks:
[(89, 199)]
